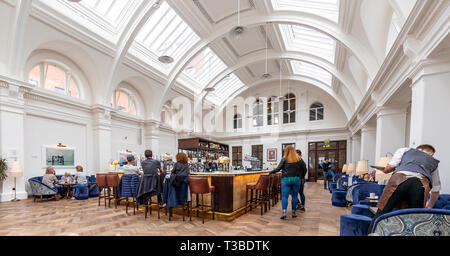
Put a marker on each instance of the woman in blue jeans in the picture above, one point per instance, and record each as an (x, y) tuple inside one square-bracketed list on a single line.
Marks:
[(291, 169), (301, 204)]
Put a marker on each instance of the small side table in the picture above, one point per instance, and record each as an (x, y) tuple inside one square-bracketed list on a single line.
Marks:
[(371, 201), (68, 187)]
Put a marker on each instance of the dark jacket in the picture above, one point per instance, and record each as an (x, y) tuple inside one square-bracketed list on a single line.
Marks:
[(297, 169), (179, 173), (149, 185)]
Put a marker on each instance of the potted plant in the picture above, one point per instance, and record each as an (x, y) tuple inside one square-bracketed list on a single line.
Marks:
[(3, 169)]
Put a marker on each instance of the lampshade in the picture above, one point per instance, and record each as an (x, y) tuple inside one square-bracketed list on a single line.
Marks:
[(16, 170), (379, 175), (361, 168), (351, 168), (112, 168), (344, 168), (384, 161)]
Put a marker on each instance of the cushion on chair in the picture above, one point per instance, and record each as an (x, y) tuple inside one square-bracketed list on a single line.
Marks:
[(413, 222), (361, 209), (354, 225), (332, 186), (442, 202), (338, 198)]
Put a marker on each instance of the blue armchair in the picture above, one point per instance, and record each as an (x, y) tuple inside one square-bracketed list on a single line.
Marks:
[(40, 190), (363, 190), (443, 202), (413, 222)]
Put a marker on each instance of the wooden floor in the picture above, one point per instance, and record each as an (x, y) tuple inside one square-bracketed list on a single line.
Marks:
[(86, 218)]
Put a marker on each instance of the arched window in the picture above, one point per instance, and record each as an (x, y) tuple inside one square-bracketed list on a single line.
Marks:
[(123, 101), (237, 119), (163, 115), (316, 112), (289, 109), (258, 118), (54, 78), (273, 108)]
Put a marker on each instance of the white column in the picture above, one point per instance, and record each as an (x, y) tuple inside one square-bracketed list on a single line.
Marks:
[(12, 143), (356, 149), (102, 138), (430, 120), (152, 137), (368, 141), (391, 130)]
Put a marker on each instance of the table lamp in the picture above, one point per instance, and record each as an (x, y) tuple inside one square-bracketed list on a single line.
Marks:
[(15, 171), (351, 168), (344, 168), (379, 175), (361, 168)]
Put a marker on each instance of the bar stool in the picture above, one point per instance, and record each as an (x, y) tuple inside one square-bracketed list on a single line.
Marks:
[(112, 181), (274, 189), (269, 193), (200, 186), (101, 183), (261, 188)]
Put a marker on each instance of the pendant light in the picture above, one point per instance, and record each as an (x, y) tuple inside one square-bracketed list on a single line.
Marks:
[(239, 31), (266, 74)]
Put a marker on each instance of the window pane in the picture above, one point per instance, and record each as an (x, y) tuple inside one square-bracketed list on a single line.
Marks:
[(122, 101), (285, 118), (269, 119), (73, 90), (285, 105), (275, 107), (163, 115), (320, 114), (276, 119), (35, 75), (239, 123), (292, 116), (54, 79), (292, 104), (312, 115)]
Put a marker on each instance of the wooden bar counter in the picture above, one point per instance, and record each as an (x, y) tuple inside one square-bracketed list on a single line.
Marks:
[(230, 190)]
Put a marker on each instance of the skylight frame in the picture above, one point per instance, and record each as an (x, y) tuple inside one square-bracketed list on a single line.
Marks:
[(302, 39), (224, 89), (208, 64), (328, 9), (312, 71), (104, 8), (166, 34)]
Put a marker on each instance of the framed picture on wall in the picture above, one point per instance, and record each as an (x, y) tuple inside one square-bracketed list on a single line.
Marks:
[(283, 147), (271, 154), (58, 157)]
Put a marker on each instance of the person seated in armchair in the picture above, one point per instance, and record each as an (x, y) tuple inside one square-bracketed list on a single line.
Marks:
[(415, 176), (66, 179), (80, 179), (51, 180)]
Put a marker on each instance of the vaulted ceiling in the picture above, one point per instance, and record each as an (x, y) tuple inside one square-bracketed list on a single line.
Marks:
[(322, 42)]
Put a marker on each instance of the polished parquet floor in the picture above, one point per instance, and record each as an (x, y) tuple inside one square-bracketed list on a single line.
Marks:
[(86, 218)]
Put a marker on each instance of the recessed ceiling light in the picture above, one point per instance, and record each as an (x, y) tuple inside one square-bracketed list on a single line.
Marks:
[(165, 59), (238, 32)]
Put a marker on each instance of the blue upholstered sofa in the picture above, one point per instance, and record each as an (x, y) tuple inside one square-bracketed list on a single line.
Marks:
[(413, 222), (443, 202), (40, 190)]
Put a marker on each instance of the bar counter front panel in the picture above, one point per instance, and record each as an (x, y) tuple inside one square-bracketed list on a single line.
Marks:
[(230, 188)]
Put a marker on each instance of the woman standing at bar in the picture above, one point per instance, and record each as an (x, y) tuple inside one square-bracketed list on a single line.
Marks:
[(291, 169)]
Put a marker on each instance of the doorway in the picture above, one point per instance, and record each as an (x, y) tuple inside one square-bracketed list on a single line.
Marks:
[(336, 151)]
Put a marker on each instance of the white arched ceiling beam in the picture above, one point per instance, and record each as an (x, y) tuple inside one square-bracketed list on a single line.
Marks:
[(310, 80), (321, 24), (138, 20), (304, 57), (21, 15)]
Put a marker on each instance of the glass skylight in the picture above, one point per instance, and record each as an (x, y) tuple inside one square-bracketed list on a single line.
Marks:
[(204, 67), (312, 71), (166, 33), (111, 10), (224, 89), (303, 39), (325, 8)]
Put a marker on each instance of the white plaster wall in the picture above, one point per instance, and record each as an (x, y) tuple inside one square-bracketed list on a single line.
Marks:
[(6, 17), (125, 136)]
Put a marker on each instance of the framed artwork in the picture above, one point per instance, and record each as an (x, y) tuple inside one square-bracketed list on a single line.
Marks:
[(271, 154), (283, 147), (58, 157)]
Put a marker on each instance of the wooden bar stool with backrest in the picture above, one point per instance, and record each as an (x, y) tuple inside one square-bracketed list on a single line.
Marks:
[(261, 193), (112, 181), (280, 177), (200, 186), (102, 183), (269, 190), (274, 189)]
